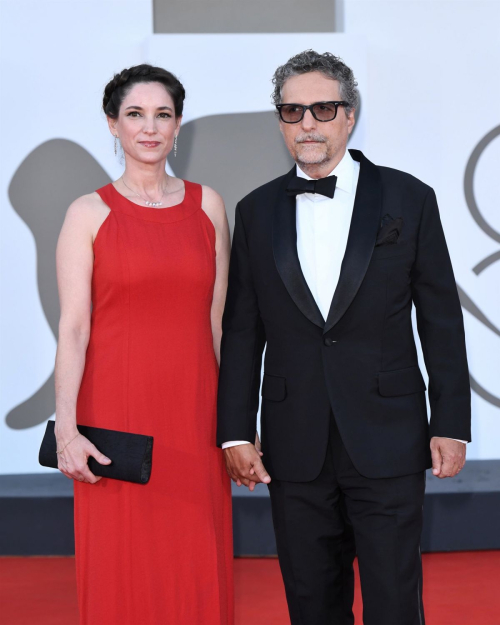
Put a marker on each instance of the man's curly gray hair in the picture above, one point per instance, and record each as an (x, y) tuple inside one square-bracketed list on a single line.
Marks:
[(328, 64)]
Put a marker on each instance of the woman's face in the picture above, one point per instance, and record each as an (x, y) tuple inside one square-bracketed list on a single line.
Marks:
[(146, 124)]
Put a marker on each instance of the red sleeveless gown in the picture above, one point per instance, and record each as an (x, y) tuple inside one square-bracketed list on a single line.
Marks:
[(160, 553)]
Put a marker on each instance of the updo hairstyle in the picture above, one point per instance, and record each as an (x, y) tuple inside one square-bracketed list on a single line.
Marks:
[(117, 88)]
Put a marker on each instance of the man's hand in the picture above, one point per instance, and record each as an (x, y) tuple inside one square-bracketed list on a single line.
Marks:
[(448, 456), (244, 464)]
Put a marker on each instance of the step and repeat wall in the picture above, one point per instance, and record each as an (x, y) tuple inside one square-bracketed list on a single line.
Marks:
[(428, 77)]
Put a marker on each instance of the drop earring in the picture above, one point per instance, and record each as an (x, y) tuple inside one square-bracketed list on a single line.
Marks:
[(116, 142), (175, 146)]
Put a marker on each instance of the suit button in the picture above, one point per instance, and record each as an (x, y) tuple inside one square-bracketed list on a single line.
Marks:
[(329, 341)]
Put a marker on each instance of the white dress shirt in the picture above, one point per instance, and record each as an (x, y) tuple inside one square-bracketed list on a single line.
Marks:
[(322, 230)]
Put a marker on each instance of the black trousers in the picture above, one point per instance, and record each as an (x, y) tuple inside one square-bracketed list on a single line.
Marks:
[(316, 550)]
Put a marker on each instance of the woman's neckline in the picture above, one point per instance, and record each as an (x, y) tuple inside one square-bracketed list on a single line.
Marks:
[(151, 208)]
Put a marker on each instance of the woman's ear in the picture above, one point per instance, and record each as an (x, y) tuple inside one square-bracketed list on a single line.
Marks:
[(112, 126), (178, 125)]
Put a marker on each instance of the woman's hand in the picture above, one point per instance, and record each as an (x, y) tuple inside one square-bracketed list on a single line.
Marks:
[(251, 485), (73, 460)]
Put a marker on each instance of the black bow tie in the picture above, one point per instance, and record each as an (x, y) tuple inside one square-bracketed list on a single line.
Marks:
[(323, 186)]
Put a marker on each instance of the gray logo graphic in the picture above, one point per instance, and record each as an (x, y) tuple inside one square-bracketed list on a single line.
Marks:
[(233, 154), (45, 184), (466, 301)]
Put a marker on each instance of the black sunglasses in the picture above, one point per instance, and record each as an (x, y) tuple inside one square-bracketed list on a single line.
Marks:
[(321, 111)]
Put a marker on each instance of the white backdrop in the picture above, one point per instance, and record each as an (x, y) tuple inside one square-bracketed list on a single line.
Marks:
[(428, 74)]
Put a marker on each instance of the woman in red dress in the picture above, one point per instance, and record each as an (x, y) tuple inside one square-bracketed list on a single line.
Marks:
[(142, 272)]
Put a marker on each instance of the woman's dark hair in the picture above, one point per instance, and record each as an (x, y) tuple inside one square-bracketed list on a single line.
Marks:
[(117, 88)]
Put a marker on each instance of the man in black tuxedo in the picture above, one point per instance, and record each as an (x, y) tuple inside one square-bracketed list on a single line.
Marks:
[(326, 263)]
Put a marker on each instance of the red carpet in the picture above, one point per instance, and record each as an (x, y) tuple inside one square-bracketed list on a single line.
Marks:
[(459, 589)]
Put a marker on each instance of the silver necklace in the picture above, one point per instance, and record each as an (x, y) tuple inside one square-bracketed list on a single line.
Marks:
[(152, 204)]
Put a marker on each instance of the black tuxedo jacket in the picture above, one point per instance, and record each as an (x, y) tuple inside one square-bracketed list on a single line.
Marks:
[(362, 362)]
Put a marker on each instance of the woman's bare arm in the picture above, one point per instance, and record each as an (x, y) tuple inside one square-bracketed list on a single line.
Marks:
[(213, 205), (75, 258)]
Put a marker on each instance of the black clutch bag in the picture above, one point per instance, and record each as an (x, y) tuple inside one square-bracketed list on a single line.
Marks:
[(131, 455)]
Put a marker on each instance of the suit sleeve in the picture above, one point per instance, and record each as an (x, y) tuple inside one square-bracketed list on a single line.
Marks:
[(242, 344), (441, 329)]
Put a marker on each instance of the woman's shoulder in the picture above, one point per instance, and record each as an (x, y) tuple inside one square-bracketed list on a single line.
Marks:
[(213, 205), (87, 210)]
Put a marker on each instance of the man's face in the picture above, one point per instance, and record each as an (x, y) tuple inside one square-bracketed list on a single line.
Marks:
[(314, 144)]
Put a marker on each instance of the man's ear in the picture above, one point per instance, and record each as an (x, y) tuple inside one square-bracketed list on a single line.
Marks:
[(351, 120)]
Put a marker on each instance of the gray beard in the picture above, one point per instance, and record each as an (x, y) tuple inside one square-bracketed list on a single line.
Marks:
[(318, 161)]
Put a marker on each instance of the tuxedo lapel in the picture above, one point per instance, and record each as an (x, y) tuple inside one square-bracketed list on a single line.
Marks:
[(286, 256), (365, 223)]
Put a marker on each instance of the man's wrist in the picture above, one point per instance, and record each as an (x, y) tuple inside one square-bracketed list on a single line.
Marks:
[(452, 439), (234, 444)]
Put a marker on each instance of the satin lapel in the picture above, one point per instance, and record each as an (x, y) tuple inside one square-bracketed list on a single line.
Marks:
[(286, 256), (365, 223)]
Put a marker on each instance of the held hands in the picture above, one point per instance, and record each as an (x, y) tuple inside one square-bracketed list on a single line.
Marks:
[(73, 460), (244, 464), (448, 456)]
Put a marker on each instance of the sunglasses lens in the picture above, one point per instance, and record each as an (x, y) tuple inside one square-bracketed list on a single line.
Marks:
[(291, 113), (324, 112)]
